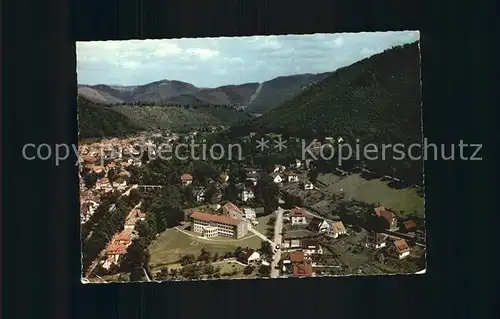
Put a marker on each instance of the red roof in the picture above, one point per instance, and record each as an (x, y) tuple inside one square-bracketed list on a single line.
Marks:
[(410, 224), (296, 256), (382, 212), (297, 212), (186, 177), (303, 269), (116, 249), (125, 235), (215, 218), (401, 245)]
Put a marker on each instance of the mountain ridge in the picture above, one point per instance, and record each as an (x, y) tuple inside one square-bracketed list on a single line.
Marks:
[(164, 92)]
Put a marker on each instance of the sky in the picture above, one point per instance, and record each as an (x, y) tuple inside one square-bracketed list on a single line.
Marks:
[(213, 62)]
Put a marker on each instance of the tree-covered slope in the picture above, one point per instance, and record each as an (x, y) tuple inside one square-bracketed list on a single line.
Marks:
[(96, 120), (181, 117), (377, 99)]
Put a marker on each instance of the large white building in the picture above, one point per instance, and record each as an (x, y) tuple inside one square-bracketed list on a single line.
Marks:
[(216, 225)]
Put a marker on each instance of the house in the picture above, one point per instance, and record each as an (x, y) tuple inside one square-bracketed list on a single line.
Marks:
[(120, 183), (319, 225), (310, 246), (337, 229), (246, 194), (211, 225), (125, 237), (308, 186), (124, 174), (249, 257), (390, 220), (400, 248), (296, 164), (301, 267), (231, 210), (276, 178), (249, 213), (132, 219), (375, 240), (409, 226), (114, 253), (98, 169), (199, 194), (252, 180), (296, 256), (292, 177), (223, 178), (278, 169), (298, 217), (186, 179)]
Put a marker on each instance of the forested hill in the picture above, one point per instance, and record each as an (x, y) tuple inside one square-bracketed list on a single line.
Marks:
[(377, 99), (96, 120)]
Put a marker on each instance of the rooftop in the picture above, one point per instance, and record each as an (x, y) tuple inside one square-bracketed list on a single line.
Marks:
[(296, 256), (215, 218), (303, 269)]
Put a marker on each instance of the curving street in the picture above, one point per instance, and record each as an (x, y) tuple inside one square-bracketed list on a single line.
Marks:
[(278, 228)]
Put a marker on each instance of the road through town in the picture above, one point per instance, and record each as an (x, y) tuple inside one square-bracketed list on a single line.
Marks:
[(278, 228)]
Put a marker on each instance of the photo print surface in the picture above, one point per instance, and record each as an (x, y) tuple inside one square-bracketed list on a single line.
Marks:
[(284, 156)]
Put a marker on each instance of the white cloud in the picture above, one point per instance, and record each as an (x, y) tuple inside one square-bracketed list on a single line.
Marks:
[(166, 49), (210, 62), (203, 54)]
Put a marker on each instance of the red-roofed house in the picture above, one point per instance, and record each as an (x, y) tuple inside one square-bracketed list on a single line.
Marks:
[(400, 248), (211, 225), (298, 217), (409, 226), (114, 252), (301, 267), (388, 217), (186, 179)]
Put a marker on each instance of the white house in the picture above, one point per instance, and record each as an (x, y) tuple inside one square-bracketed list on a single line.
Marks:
[(246, 195), (297, 163), (375, 240), (120, 183), (276, 178), (319, 225), (292, 177), (254, 257), (200, 194), (337, 228), (298, 217), (308, 186), (278, 168), (249, 213)]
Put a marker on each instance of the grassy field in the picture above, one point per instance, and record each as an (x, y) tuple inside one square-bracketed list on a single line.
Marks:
[(374, 191), (172, 244)]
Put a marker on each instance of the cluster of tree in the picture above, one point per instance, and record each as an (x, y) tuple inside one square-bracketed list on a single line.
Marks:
[(267, 193), (108, 220), (97, 121), (292, 200), (181, 119)]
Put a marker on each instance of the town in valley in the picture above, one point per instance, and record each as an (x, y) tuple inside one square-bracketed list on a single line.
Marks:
[(271, 212)]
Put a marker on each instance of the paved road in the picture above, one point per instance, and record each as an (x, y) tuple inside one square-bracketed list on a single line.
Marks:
[(278, 228)]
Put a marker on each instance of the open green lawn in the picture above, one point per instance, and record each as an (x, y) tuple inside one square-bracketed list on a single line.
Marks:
[(172, 244), (375, 191), (262, 226)]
